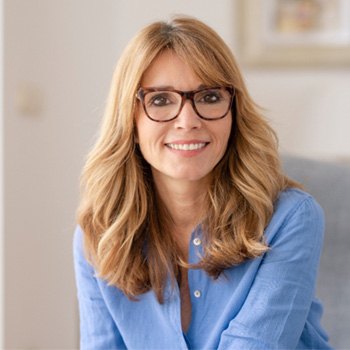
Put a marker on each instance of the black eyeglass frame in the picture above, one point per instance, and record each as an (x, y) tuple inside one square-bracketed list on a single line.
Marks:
[(185, 95)]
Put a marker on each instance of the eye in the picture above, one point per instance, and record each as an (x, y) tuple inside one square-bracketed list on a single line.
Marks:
[(159, 99), (209, 97)]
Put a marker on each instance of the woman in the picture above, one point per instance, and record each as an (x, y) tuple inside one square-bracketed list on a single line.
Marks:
[(189, 234)]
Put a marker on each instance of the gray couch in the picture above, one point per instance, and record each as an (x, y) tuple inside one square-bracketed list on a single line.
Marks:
[(329, 183)]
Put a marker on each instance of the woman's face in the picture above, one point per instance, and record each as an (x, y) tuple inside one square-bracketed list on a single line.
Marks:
[(188, 147)]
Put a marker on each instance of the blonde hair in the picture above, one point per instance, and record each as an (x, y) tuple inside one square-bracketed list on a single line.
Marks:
[(123, 222)]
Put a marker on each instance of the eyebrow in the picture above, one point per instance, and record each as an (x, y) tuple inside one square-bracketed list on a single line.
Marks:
[(170, 87)]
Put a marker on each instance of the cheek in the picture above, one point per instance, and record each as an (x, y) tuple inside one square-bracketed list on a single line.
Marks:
[(147, 134)]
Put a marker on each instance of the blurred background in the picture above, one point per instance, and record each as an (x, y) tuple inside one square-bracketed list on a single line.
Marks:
[(57, 59)]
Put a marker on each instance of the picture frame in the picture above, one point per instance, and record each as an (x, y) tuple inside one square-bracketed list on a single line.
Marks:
[(294, 32)]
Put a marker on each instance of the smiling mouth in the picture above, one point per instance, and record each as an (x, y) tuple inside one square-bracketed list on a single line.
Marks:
[(187, 146)]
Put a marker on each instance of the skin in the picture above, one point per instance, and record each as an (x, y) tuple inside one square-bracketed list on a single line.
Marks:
[(181, 176)]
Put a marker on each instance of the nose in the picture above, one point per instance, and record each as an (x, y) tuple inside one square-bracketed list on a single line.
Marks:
[(188, 118)]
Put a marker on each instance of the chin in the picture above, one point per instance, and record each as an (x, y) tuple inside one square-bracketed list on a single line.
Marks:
[(191, 177)]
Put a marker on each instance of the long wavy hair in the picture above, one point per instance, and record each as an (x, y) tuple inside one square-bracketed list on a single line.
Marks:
[(124, 223)]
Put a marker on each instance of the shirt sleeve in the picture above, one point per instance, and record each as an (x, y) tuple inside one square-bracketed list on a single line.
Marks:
[(98, 331), (276, 308)]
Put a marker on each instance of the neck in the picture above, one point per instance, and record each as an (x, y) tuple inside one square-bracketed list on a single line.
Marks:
[(183, 199), (185, 202)]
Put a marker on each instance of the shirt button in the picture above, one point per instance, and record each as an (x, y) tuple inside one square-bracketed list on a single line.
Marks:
[(197, 293), (197, 241)]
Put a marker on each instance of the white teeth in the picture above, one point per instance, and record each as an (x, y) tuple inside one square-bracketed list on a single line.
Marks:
[(187, 146)]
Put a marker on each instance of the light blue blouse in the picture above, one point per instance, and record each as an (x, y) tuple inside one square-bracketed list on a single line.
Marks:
[(265, 303)]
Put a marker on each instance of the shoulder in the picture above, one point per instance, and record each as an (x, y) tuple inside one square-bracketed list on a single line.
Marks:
[(78, 241), (80, 261), (294, 199), (296, 213)]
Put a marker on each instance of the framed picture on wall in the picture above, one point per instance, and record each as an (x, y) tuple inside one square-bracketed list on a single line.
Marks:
[(295, 32)]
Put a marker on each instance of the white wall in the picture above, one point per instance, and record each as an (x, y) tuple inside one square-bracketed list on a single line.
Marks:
[(59, 58), (1, 181), (309, 109)]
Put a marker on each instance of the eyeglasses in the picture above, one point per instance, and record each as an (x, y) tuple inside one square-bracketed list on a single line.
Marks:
[(164, 105)]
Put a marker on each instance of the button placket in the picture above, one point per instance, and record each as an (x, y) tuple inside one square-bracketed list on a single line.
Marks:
[(194, 275)]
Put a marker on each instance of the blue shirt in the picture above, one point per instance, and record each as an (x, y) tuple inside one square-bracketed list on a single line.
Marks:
[(264, 303)]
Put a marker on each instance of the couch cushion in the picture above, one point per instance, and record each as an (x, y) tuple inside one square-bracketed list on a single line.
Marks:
[(329, 183)]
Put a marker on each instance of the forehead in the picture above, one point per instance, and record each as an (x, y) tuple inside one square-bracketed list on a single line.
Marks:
[(170, 70)]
